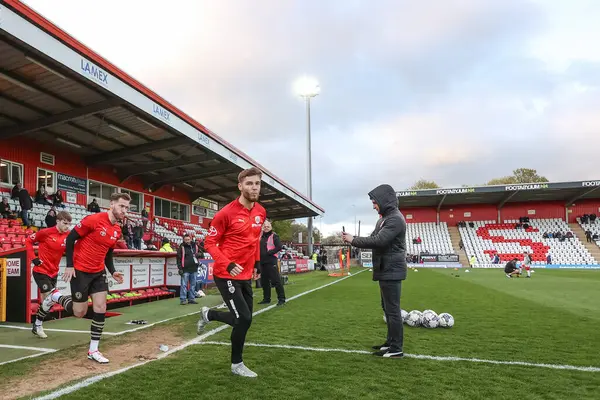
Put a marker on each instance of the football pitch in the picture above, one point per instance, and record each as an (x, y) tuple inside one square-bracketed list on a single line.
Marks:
[(513, 338)]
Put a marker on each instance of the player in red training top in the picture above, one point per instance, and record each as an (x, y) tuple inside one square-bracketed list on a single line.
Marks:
[(233, 241), (89, 249), (45, 265)]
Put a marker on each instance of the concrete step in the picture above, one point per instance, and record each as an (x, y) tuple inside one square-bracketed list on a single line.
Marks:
[(455, 239), (592, 247)]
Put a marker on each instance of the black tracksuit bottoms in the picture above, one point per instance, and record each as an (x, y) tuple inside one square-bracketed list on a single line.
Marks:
[(390, 295), (269, 276), (237, 295)]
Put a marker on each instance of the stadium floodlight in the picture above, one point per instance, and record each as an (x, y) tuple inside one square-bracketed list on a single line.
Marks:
[(307, 88)]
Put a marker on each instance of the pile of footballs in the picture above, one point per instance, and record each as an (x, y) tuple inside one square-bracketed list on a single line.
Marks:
[(427, 319)]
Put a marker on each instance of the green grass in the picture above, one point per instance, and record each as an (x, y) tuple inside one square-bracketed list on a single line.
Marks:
[(11, 354), (551, 318)]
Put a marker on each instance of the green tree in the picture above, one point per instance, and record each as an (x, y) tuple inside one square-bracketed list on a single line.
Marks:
[(424, 184), (520, 175), (288, 231), (284, 229)]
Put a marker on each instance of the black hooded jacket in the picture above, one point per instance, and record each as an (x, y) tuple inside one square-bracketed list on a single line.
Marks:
[(388, 240)]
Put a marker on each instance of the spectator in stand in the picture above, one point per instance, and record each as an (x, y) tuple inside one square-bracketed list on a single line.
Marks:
[(57, 199), (41, 196), (5, 211), (14, 194), (548, 259), (145, 217), (93, 207), (187, 264), (166, 246), (26, 205), (588, 236), (150, 246), (51, 218), (138, 233)]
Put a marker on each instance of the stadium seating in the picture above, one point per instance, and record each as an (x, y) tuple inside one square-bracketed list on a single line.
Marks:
[(435, 238), (489, 237), (592, 227)]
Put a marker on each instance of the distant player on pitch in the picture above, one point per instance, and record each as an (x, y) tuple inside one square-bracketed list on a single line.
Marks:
[(45, 271), (234, 243), (89, 249)]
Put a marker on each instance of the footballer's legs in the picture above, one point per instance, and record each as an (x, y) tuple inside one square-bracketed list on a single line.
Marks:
[(37, 328), (99, 307), (47, 286), (238, 298), (528, 269)]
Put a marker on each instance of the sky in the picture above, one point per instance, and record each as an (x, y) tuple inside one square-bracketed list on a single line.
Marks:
[(455, 91)]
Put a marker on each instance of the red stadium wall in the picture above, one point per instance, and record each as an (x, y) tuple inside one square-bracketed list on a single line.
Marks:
[(455, 214), (584, 207), (550, 209), (71, 164), (415, 215)]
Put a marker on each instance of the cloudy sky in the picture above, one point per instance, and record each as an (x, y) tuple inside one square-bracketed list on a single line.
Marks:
[(458, 91)]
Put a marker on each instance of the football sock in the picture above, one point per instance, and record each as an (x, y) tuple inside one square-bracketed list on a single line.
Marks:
[(56, 296), (96, 330), (66, 302), (39, 317)]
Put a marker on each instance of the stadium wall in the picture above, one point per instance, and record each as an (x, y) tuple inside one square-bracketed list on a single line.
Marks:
[(550, 209), (473, 212), (583, 207), (29, 156), (417, 215)]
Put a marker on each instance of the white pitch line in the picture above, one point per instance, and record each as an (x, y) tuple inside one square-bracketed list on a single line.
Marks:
[(85, 383), (10, 346), (105, 333), (420, 356), (24, 358)]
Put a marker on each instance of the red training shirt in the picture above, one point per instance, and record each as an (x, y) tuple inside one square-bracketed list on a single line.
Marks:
[(98, 235), (50, 251), (234, 237)]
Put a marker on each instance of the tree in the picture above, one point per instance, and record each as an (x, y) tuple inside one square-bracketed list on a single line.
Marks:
[(284, 229), (288, 231), (520, 175), (424, 184), (336, 238)]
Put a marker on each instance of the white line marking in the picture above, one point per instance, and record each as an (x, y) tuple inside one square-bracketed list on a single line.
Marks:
[(23, 358), (420, 356), (50, 329), (105, 333), (10, 346), (97, 378)]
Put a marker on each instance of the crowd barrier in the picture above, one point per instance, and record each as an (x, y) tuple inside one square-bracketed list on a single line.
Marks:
[(149, 271)]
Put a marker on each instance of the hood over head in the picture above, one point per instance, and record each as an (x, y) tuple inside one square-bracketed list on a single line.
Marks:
[(385, 197)]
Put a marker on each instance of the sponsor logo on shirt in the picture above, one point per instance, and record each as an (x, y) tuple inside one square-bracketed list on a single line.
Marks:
[(212, 231)]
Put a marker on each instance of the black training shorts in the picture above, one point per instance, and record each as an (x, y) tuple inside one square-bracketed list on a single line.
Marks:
[(84, 284), (44, 282)]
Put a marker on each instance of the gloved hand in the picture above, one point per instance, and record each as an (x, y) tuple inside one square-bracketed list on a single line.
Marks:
[(180, 272), (36, 261)]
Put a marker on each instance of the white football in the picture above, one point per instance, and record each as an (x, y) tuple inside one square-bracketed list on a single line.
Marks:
[(404, 315), (430, 319), (446, 320), (414, 318)]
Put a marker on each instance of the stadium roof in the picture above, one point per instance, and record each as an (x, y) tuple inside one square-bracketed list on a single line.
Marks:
[(56, 90), (568, 192)]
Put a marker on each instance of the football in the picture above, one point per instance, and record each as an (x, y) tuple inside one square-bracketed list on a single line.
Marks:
[(446, 320), (414, 318), (430, 319)]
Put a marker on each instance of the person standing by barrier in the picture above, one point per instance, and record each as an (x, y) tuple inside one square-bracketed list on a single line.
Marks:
[(388, 242), (270, 246), (187, 264)]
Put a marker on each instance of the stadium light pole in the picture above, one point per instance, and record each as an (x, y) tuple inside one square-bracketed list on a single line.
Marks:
[(308, 88)]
